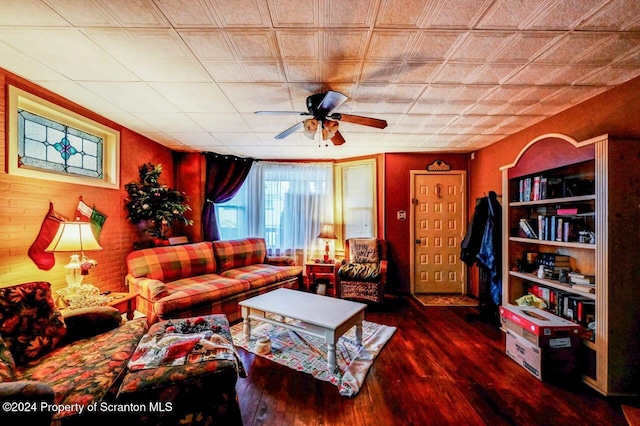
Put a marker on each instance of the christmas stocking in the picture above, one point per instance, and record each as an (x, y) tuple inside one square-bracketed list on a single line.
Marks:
[(50, 224), (84, 213)]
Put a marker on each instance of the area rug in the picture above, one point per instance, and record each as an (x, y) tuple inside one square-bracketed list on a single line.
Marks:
[(308, 354), (446, 300)]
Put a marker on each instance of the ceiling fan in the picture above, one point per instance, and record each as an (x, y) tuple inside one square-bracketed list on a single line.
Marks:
[(321, 107)]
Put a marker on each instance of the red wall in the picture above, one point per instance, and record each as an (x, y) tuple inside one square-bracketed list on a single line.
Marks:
[(25, 201), (397, 190)]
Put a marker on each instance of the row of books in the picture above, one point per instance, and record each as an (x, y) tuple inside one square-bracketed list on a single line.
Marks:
[(576, 308), (551, 228), (539, 188)]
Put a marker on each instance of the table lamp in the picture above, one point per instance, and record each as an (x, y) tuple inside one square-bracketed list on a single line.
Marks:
[(327, 234), (75, 237)]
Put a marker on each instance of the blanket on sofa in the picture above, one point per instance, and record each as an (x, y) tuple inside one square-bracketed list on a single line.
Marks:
[(184, 342)]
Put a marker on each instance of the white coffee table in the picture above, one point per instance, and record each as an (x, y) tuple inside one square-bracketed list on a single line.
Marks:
[(325, 317)]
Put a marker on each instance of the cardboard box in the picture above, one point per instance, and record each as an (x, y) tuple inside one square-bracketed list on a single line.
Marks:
[(546, 364), (539, 327)]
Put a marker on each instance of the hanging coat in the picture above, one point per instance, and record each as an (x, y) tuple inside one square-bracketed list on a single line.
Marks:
[(482, 244)]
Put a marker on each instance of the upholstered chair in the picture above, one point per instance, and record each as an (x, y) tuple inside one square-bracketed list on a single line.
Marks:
[(363, 273)]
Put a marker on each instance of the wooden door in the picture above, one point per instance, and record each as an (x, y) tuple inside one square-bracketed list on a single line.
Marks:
[(438, 226)]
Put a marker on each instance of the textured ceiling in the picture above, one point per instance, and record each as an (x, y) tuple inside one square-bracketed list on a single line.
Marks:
[(452, 75)]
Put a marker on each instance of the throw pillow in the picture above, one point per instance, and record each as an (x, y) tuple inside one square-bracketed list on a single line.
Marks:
[(7, 364), (30, 324), (363, 250)]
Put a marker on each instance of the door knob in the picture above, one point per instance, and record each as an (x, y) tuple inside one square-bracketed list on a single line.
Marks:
[(418, 241)]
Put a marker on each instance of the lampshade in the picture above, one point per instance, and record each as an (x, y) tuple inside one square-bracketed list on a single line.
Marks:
[(74, 236), (327, 232)]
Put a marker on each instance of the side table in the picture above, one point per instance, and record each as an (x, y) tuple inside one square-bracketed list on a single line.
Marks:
[(124, 302), (322, 272)]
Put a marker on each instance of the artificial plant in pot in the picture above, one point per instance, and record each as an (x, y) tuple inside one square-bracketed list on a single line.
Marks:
[(154, 204)]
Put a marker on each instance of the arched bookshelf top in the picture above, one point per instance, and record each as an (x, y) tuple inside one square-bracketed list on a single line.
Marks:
[(550, 151)]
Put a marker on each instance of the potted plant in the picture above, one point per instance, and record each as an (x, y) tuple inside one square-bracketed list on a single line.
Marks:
[(154, 205)]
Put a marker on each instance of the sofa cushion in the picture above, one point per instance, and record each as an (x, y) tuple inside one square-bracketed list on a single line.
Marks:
[(83, 372), (359, 271), (186, 293), (169, 263), (260, 275), (363, 250), (7, 364), (238, 253), (30, 324)]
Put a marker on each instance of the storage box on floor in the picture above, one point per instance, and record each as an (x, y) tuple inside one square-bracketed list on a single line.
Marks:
[(542, 343)]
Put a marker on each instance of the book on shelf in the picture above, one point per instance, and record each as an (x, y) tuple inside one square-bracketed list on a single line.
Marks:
[(554, 259), (578, 278), (567, 211), (527, 189), (576, 274), (558, 235), (521, 190), (536, 188), (584, 287), (575, 280), (528, 229), (543, 187)]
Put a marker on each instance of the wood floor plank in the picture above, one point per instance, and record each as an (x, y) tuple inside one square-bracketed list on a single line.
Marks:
[(443, 366)]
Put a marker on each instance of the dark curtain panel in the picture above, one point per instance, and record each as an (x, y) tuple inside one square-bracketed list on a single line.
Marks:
[(225, 176)]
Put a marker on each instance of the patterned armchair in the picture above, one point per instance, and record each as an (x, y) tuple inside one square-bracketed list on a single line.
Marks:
[(363, 273)]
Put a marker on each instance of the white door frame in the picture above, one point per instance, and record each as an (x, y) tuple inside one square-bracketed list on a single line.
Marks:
[(413, 200)]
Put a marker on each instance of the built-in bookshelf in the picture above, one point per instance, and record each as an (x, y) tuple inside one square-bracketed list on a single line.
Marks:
[(571, 238)]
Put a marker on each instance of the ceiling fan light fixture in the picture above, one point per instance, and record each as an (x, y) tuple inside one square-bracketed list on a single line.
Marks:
[(329, 129), (310, 125)]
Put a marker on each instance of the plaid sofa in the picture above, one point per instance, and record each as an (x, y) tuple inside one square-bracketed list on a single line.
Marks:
[(206, 278)]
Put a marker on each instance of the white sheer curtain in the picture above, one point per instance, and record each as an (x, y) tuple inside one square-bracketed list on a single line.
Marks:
[(286, 203)]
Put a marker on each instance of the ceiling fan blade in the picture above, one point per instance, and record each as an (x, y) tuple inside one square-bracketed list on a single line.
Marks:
[(356, 119), (337, 139), (332, 100), (290, 130), (282, 112)]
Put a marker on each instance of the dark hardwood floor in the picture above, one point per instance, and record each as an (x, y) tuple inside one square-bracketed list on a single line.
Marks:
[(443, 366)]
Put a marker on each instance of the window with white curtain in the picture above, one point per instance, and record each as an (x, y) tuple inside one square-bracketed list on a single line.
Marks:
[(358, 198), (286, 203)]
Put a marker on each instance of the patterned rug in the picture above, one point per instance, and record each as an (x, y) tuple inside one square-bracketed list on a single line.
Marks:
[(309, 354), (446, 300)]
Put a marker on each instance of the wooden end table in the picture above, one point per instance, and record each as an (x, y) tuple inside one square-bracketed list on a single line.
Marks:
[(322, 271), (124, 302)]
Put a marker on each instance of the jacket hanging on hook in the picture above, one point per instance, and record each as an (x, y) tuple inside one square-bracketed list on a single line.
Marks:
[(482, 243)]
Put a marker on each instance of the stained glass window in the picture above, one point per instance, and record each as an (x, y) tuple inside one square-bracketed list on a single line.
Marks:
[(48, 145)]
